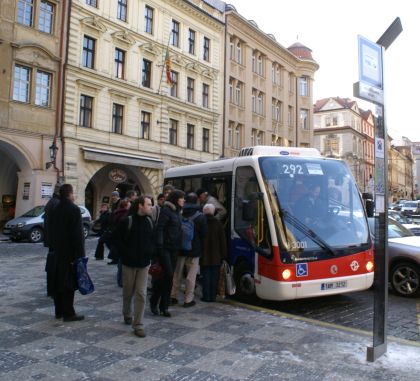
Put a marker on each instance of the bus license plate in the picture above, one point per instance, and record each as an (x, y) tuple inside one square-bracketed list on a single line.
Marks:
[(333, 285)]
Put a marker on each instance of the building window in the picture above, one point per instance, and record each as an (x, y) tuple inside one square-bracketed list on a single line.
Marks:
[(304, 86), (260, 66), (254, 62), (238, 94), (230, 134), (119, 60), (117, 118), (92, 3), (173, 132), (304, 113), (46, 17), (191, 41), (254, 100), (259, 138), (190, 90), (260, 101), (206, 140), (206, 49), (122, 10), (21, 84), (43, 88), (146, 75), (206, 91), (25, 11), (174, 87), (238, 53), (175, 33), (237, 142), (190, 136), (145, 125), (86, 105), (148, 19), (231, 98), (88, 56)]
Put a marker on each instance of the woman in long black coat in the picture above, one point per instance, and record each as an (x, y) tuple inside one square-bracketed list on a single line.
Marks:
[(69, 244), (168, 243)]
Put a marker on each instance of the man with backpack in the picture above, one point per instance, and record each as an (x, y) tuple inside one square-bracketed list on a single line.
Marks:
[(136, 243), (194, 231)]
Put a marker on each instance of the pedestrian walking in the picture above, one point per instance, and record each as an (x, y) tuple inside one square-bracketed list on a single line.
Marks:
[(118, 216), (104, 221), (115, 200), (168, 243), (69, 244), (157, 208), (194, 231), (214, 251), (136, 244), (50, 262)]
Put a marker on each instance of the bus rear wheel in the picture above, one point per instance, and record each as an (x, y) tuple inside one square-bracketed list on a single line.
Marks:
[(245, 284)]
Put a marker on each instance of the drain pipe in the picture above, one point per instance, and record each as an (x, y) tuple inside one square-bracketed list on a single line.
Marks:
[(60, 91)]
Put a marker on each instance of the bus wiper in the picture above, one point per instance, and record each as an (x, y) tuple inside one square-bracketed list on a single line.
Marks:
[(308, 232)]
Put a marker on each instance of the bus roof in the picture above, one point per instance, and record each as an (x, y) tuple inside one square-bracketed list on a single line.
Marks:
[(276, 151), (226, 165)]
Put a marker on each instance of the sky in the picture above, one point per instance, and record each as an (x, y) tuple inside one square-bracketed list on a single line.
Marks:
[(331, 28)]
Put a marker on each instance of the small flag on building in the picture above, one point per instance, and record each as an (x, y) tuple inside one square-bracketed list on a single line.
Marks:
[(168, 67)]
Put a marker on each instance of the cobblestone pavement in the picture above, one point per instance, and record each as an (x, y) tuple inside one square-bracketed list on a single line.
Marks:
[(206, 342), (355, 310)]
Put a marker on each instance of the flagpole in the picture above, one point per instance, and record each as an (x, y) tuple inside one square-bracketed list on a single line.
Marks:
[(164, 64)]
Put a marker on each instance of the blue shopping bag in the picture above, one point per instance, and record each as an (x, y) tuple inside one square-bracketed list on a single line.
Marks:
[(83, 279)]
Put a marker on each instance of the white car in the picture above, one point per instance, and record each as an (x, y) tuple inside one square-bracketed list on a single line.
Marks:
[(31, 225), (405, 221)]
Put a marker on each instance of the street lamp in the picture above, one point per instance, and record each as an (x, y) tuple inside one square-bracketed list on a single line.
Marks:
[(53, 152), (53, 155)]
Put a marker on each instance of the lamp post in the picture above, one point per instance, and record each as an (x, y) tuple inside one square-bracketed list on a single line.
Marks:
[(53, 155)]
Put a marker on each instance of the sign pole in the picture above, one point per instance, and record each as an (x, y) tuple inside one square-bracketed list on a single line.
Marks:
[(371, 88)]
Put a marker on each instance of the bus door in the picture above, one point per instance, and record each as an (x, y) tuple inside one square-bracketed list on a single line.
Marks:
[(250, 235), (220, 187)]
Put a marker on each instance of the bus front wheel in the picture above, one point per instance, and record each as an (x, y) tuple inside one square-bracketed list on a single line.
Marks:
[(245, 284)]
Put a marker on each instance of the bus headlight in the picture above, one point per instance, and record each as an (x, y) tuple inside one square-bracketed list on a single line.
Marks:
[(369, 266), (286, 274)]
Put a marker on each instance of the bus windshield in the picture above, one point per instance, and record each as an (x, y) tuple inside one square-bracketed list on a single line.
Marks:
[(317, 210)]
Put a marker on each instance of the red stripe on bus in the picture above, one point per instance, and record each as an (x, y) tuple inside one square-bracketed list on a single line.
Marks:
[(354, 264)]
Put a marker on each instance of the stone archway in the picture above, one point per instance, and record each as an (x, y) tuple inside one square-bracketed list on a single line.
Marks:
[(13, 165), (100, 185)]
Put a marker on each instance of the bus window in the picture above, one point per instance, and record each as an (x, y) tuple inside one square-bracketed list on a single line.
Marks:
[(250, 216)]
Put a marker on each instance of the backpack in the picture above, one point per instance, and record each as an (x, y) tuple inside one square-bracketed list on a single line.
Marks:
[(187, 227)]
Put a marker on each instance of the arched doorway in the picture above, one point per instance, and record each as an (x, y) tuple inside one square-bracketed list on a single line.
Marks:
[(113, 177), (12, 163)]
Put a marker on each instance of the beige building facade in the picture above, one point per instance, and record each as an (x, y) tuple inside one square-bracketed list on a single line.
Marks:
[(342, 130), (124, 122), (268, 89), (31, 45)]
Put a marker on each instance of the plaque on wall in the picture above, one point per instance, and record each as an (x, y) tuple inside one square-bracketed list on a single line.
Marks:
[(46, 190), (26, 189), (117, 175)]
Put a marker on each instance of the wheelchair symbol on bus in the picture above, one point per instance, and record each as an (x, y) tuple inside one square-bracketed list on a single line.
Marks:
[(301, 269)]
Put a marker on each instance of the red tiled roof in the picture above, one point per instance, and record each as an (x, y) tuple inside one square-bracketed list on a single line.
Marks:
[(301, 51), (343, 102)]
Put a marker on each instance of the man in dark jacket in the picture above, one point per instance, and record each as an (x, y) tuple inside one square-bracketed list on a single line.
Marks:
[(50, 263), (190, 253), (136, 244), (69, 244), (215, 250)]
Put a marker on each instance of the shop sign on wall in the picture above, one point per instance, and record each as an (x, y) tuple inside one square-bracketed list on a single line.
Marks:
[(117, 175)]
